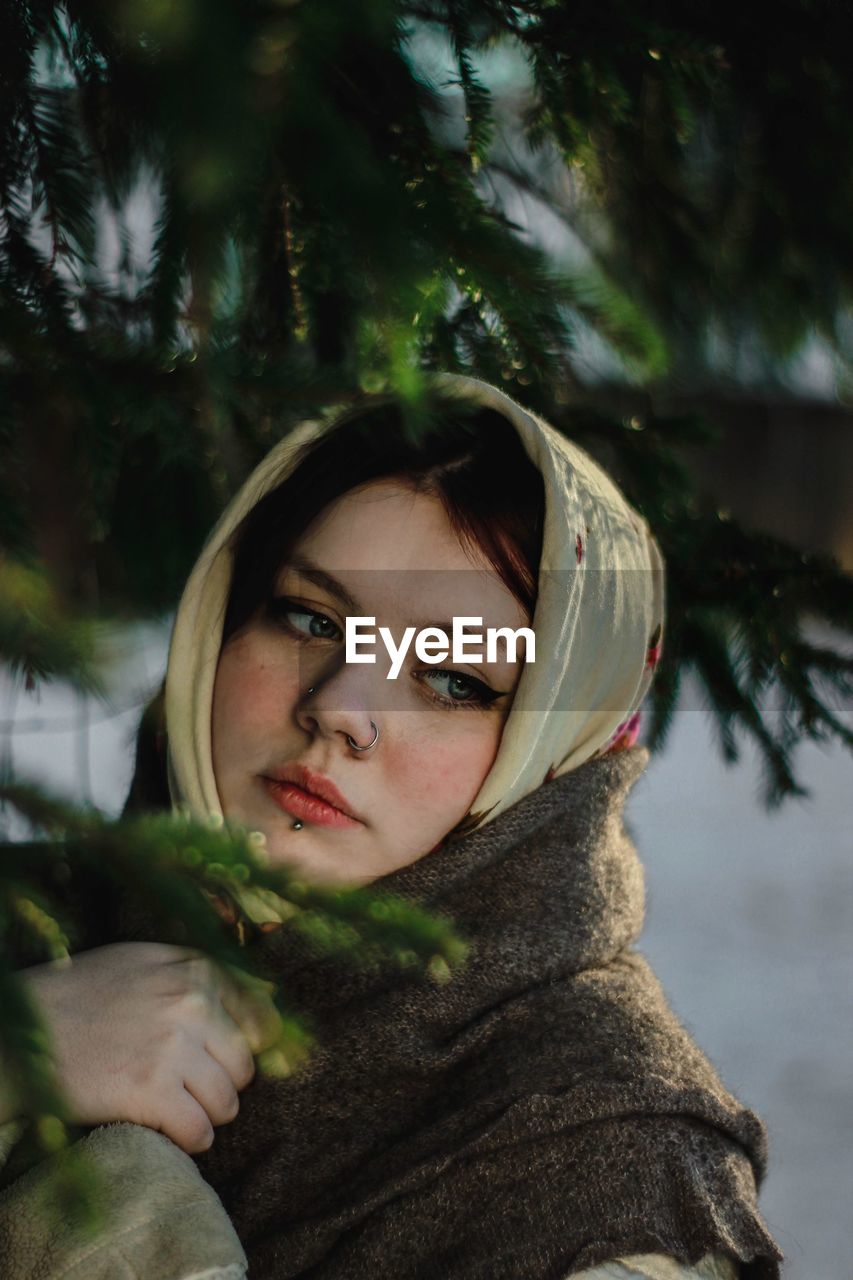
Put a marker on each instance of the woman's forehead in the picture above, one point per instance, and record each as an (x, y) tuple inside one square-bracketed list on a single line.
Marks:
[(388, 525), (426, 597), (385, 546)]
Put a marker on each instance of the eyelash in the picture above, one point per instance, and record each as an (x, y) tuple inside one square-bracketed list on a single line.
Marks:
[(280, 607)]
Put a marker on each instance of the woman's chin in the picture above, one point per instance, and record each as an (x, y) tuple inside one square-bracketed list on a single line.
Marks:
[(308, 864)]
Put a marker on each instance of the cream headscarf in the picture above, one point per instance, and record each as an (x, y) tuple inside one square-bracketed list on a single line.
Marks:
[(598, 622)]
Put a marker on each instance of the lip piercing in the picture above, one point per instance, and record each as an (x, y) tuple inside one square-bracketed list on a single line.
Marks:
[(298, 825)]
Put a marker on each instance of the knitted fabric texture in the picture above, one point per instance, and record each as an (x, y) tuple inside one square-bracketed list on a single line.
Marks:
[(542, 1111)]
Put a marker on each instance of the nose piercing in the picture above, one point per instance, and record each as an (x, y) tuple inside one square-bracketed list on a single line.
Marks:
[(356, 747), (352, 741)]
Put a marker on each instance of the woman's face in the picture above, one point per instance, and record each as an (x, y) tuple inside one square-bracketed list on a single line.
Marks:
[(385, 552)]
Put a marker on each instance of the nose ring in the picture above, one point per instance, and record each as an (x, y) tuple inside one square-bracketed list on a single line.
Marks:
[(352, 740), (356, 747)]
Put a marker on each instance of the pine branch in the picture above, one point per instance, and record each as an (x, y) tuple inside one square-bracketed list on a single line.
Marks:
[(191, 876), (39, 638), (392, 255), (171, 859), (327, 224), (705, 648), (61, 175)]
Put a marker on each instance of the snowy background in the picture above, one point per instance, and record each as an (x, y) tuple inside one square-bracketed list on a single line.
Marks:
[(749, 922)]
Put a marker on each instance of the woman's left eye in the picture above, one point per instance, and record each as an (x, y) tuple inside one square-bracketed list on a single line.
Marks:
[(478, 694), (294, 615)]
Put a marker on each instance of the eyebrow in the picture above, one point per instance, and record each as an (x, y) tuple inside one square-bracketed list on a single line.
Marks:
[(321, 578)]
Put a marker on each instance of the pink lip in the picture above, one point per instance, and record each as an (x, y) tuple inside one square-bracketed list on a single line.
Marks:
[(309, 796)]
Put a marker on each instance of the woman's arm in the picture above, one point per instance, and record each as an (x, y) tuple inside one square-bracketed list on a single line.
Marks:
[(660, 1266), (151, 1033)]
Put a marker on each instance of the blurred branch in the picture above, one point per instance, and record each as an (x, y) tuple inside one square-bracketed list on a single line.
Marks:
[(198, 880)]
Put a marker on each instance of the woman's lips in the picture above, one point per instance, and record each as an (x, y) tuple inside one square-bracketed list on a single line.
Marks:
[(301, 804)]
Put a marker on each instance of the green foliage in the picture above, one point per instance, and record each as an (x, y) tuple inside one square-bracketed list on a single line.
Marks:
[(181, 864), (191, 876), (738, 603), (219, 218), (39, 637)]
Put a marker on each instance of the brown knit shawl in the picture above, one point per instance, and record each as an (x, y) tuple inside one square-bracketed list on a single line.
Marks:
[(542, 1111)]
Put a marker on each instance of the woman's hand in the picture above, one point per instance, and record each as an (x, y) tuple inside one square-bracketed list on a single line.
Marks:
[(152, 1033)]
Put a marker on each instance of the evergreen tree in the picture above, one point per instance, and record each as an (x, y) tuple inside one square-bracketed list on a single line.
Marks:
[(218, 218)]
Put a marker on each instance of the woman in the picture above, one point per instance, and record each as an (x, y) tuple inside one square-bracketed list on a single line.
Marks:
[(542, 1114)]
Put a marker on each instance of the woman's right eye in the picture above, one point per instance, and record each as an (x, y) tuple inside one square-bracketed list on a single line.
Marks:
[(301, 621)]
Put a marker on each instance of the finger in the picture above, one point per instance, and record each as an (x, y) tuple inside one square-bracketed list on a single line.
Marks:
[(254, 1013), (228, 1046), (186, 1122), (212, 1087)]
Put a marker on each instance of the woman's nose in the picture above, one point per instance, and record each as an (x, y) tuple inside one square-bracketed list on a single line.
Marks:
[(346, 700)]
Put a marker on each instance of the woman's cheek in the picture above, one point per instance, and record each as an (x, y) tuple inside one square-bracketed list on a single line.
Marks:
[(446, 775), (252, 688)]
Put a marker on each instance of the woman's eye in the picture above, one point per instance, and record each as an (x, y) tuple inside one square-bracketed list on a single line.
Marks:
[(306, 622), (460, 690)]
